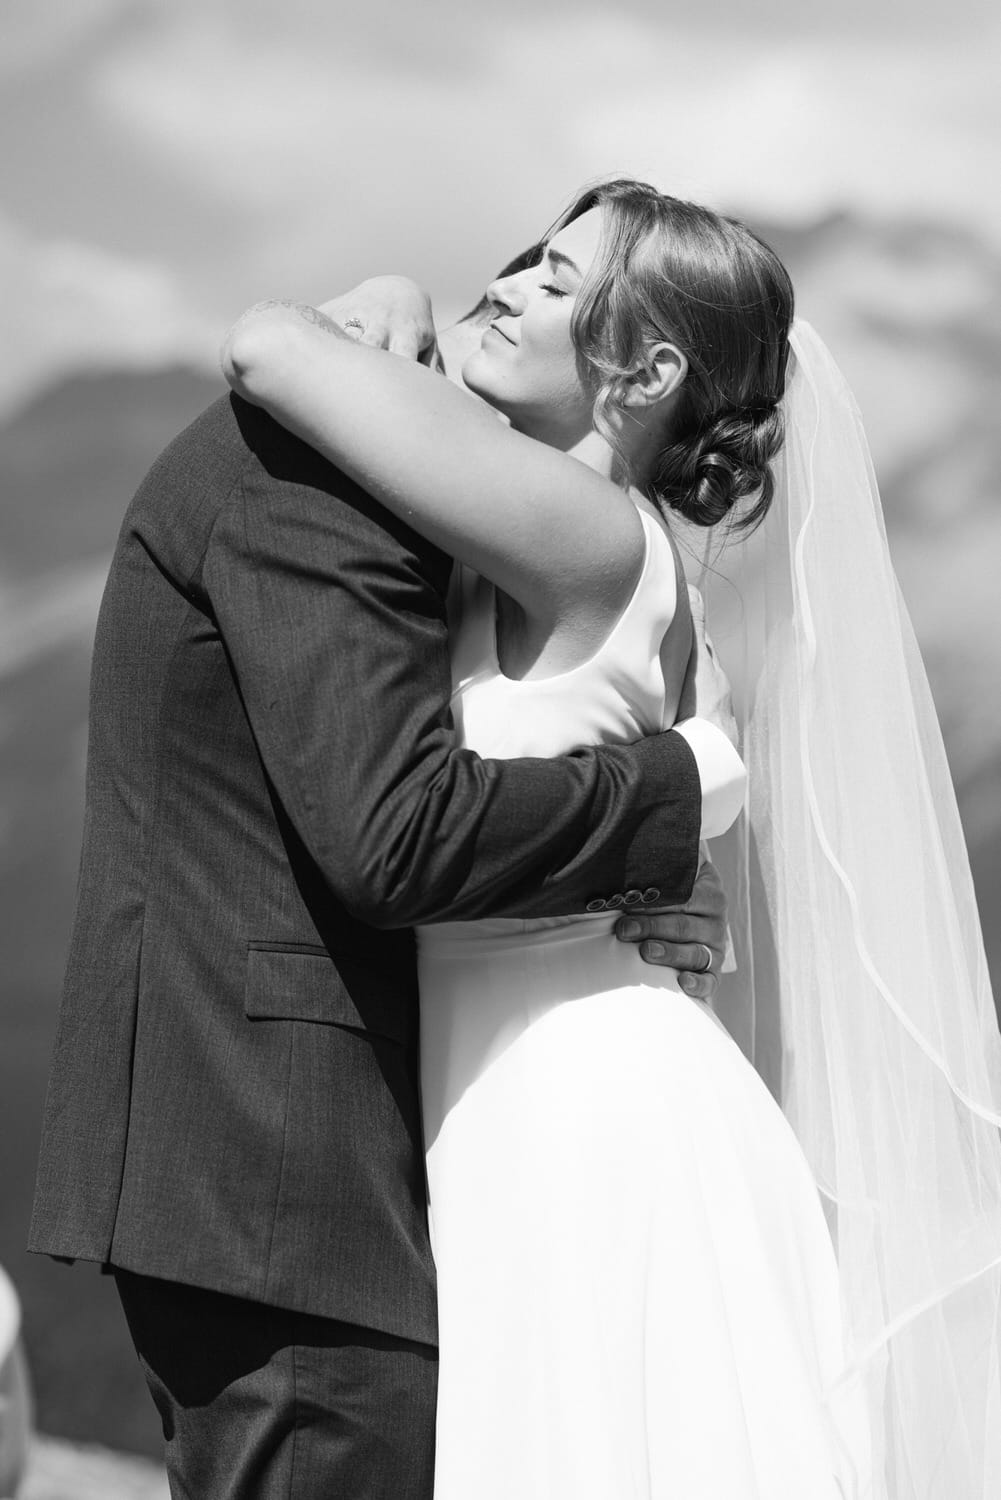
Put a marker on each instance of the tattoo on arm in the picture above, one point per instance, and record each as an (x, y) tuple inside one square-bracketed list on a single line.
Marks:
[(303, 309)]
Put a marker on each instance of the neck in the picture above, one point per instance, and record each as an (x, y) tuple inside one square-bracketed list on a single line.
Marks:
[(457, 343), (592, 449)]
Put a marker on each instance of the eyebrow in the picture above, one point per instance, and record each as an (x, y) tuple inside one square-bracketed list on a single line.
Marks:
[(557, 258)]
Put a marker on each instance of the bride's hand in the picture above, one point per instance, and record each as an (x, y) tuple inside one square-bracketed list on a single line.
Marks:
[(706, 691), (388, 312)]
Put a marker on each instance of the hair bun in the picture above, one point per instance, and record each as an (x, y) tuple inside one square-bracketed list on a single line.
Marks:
[(727, 460)]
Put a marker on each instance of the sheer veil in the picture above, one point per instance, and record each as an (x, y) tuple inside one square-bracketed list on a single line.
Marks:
[(861, 988)]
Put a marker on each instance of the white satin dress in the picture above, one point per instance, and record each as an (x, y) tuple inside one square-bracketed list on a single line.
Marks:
[(638, 1294)]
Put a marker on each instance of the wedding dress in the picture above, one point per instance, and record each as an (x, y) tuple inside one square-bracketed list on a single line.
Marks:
[(638, 1293)]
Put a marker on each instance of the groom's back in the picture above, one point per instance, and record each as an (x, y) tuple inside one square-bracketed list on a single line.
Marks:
[(233, 1101)]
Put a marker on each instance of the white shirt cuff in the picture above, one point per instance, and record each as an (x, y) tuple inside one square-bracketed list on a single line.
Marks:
[(721, 772)]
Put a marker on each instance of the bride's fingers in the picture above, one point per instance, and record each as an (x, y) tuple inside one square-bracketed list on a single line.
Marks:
[(366, 330), (375, 334), (354, 327), (412, 342), (697, 605), (405, 342)]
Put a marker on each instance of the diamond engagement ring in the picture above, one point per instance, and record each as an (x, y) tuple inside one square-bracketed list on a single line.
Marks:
[(354, 323)]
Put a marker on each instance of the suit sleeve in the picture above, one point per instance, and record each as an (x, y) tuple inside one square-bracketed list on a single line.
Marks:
[(333, 614)]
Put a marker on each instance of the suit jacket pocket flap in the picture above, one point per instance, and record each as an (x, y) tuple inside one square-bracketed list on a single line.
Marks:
[(285, 985)]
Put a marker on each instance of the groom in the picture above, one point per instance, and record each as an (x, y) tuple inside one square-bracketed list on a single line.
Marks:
[(274, 798)]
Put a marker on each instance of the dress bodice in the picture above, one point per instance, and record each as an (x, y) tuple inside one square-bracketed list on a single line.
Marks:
[(616, 696)]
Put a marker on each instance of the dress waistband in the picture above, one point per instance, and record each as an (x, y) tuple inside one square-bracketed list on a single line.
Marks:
[(522, 932)]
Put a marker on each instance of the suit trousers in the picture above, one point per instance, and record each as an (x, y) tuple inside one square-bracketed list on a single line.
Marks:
[(262, 1403)]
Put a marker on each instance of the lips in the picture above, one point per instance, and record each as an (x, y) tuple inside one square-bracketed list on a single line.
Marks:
[(493, 328)]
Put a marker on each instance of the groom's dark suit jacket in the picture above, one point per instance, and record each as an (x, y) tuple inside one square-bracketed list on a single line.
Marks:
[(273, 799)]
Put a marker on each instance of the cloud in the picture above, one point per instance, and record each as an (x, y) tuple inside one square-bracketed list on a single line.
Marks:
[(72, 306), (263, 120), (342, 144), (788, 127), (796, 127), (906, 312), (38, 31), (331, 169)]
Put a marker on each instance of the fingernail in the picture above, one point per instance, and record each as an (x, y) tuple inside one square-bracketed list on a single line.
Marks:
[(655, 950), (686, 981), (629, 928)]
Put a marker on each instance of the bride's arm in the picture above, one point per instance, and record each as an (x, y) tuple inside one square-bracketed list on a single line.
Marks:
[(544, 527)]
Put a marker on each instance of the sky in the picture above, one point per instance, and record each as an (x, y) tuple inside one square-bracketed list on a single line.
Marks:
[(167, 162)]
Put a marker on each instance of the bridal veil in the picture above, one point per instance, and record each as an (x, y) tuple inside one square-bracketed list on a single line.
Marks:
[(862, 986)]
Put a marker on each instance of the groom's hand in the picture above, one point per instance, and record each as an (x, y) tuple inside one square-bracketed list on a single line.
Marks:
[(388, 312), (679, 937)]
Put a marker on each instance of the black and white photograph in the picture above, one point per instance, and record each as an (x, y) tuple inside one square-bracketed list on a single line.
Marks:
[(500, 750)]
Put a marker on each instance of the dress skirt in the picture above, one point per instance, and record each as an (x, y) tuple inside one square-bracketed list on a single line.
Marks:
[(638, 1293)]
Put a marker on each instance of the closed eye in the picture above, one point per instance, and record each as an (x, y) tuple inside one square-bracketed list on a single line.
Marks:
[(553, 291)]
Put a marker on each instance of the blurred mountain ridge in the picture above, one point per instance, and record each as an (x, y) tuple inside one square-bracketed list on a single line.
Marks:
[(71, 460)]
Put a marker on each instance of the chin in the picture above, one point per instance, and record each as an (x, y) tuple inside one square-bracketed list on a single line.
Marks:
[(472, 370), (476, 377)]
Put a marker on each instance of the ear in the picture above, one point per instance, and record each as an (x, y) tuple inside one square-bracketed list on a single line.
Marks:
[(663, 369)]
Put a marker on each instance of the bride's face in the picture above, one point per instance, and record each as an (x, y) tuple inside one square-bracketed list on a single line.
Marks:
[(526, 365)]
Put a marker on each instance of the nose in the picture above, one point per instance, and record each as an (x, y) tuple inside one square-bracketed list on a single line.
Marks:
[(506, 296)]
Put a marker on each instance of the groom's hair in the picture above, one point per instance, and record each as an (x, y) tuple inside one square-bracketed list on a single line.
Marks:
[(530, 257)]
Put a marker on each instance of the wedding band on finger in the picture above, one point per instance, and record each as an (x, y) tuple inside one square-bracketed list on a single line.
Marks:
[(709, 959)]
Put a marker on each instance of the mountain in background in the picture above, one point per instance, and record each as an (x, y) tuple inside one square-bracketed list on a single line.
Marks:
[(905, 309)]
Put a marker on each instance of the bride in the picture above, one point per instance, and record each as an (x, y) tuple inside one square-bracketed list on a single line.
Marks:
[(639, 1294)]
